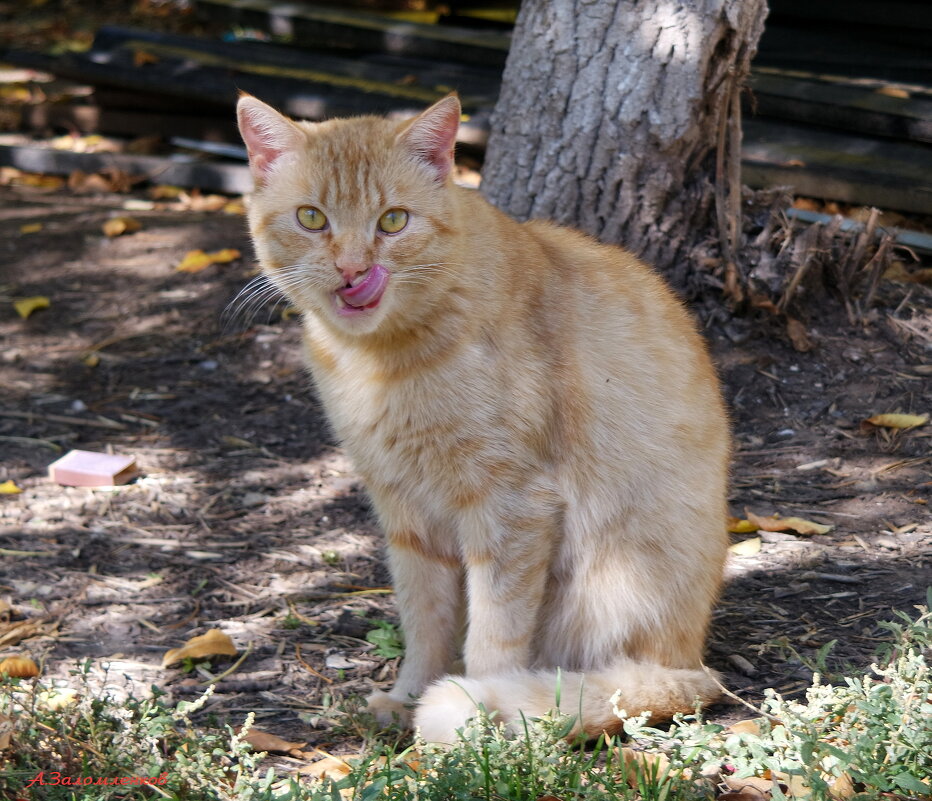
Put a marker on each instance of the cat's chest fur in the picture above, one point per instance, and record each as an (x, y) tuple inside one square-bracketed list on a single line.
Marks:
[(437, 432)]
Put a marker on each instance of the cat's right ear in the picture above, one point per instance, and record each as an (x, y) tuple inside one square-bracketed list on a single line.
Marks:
[(431, 136), (268, 135)]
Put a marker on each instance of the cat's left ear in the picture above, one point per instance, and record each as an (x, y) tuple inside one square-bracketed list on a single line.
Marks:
[(432, 134), (268, 135)]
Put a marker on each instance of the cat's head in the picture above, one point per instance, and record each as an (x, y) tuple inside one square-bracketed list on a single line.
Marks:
[(351, 217)]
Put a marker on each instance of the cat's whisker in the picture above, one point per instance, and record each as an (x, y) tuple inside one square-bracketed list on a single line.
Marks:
[(248, 302)]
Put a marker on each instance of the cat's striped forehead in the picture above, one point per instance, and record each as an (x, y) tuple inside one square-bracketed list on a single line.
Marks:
[(354, 162)]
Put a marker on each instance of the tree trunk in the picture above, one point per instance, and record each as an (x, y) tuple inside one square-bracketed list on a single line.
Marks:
[(610, 115)]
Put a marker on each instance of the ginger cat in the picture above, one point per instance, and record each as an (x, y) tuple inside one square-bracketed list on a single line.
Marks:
[(534, 415)]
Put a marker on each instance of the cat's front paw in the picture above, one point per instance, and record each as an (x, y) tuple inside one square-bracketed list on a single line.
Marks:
[(388, 710)]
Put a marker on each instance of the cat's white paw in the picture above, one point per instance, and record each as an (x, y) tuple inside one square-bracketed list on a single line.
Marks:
[(388, 710)]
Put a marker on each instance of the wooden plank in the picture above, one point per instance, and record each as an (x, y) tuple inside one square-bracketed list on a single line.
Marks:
[(209, 176), (841, 104), (407, 79), (916, 240), (890, 13), (324, 26), (86, 118), (217, 85), (837, 52), (837, 166)]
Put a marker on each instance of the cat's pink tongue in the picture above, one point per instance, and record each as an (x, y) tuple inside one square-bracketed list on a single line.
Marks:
[(367, 291)]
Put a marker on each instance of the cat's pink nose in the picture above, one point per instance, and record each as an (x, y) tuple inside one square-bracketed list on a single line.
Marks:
[(350, 270)]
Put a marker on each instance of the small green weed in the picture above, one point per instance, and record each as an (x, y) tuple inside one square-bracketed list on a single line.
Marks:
[(386, 638)]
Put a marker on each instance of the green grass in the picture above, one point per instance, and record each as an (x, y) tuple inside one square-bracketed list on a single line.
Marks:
[(865, 737)]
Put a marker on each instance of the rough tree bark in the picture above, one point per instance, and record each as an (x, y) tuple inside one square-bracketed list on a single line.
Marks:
[(610, 116)]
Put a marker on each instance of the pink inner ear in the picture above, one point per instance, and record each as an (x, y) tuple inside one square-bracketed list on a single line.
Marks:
[(268, 135), (432, 136)]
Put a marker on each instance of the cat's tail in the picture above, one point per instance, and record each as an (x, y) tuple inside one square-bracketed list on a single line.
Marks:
[(641, 687)]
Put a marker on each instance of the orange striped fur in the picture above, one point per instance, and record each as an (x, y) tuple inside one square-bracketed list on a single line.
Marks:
[(534, 414)]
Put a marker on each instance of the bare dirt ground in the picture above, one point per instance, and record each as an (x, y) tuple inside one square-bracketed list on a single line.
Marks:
[(247, 517)]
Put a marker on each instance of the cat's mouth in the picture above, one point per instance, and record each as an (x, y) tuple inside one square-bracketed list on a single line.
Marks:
[(364, 293)]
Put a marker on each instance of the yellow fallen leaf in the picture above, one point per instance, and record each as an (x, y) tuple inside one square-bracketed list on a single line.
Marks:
[(330, 767), (640, 763), (212, 643), (30, 228), (38, 181), (263, 741), (165, 192), (795, 524), (26, 306), (19, 667), (898, 420), (90, 359), (9, 488), (116, 226), (749, 726), (842, 787), (235, 206), (15, 93), (738, 526), (197, 260), (6, 731), (747, 547)]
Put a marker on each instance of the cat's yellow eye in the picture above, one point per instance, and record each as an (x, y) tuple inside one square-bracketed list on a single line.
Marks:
[(393, 221), (311, 218)]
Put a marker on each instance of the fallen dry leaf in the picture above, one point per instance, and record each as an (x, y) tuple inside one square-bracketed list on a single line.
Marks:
[(751, 788), (642, 762), (263, 741), (9, 487), (795, 524), (19, 667), (738, 526), (6, 731), (749, 726), (117, 226), (197, 260), (197, 202), (901, 421), (212, 643), (898, 272), (330, 767), (842, 787), (798, 335), (30, 228), (26, 306), (166, 192), (143, 57), (38, 181), (747, 547), (13, 633), (109, 179)]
